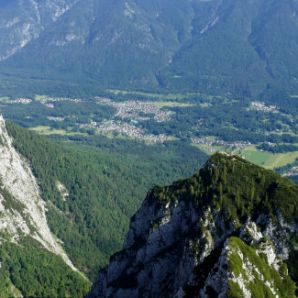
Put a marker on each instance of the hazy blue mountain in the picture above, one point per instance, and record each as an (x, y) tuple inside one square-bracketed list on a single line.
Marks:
[(243, 47), (112, 42), (218, 46), (23, 21)]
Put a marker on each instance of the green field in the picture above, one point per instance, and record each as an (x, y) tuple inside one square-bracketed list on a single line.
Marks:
[(171, 104), (265, 159), (269, 160), (4, 99), (40, 97), (162, 96), (48, 131)]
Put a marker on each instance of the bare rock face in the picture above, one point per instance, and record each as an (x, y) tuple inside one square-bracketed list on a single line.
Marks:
[(23, 21), (22, 210), (221, 233)]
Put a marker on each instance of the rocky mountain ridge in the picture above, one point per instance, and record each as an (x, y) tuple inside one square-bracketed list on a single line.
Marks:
[(22, 210), (33, 262), (228, 231), (24, 21)]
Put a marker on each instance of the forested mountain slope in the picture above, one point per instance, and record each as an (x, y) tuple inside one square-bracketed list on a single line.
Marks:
[(33, 261), (64, 208), (91, 193), (218, 46), (228, 231)]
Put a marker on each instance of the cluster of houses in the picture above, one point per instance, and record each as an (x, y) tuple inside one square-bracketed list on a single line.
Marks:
[(137, 110), (262, 107), (49, 102), (238, 145), (126, 129), (20, 100), (291, 173)]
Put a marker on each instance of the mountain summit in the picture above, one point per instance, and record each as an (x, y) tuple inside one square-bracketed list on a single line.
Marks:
[(228, 231)]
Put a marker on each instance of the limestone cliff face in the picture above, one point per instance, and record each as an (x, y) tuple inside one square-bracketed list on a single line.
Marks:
[(22, 21), (222, 233), (22, 210)]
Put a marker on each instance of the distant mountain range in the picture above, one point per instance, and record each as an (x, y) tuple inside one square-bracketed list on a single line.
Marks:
[(228, 231), (239, 47)]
